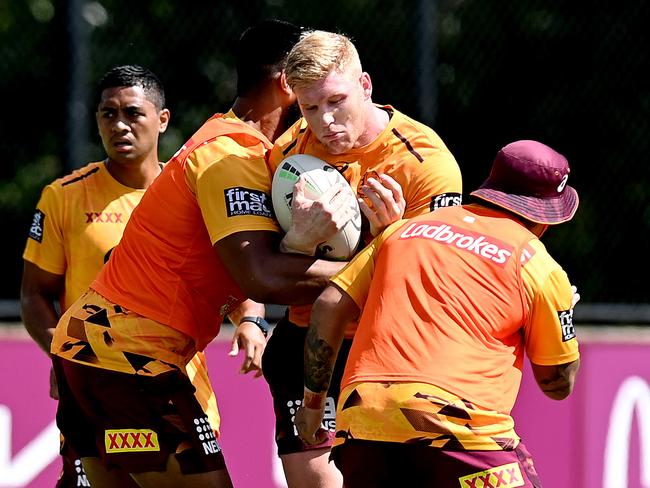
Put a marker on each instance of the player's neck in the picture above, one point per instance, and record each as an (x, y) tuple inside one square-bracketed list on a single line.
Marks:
[(134, 175), (268, 117), (376, 122)]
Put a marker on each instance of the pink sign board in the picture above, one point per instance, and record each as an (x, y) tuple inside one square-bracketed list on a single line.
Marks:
[(29, 438), (598, 437)]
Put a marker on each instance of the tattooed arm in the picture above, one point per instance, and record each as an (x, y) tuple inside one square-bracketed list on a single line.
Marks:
[(331, 313)]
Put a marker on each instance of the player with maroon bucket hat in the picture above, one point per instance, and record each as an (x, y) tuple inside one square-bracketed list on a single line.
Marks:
[(448, 303)]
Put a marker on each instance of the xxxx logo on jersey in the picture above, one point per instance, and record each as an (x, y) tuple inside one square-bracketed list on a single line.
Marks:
[(504, 476), (104, 217), (130, 440)]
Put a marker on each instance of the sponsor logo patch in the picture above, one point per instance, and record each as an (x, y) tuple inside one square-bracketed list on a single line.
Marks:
[(82, 479), (504, 476), (206, 436), (36, 229), (130, 440), (527, 254), (566, 322), (329, 414), (445, 200), (244, 201), (485, 247), (104, 217)]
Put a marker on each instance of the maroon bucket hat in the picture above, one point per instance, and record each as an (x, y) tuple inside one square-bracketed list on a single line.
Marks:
[(529, 178)]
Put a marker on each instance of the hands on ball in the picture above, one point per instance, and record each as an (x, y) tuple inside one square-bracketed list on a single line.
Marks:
[(315, 221), (387, 202)]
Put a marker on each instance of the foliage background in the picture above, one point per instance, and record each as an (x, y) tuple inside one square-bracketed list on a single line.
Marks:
[(570, 74)]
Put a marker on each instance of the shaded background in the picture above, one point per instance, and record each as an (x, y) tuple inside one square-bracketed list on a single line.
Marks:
[(572, 74)]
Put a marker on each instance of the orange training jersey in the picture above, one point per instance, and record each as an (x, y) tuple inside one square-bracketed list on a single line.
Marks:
[(453, 299), (408, 151), (165, 267), (78, 220)]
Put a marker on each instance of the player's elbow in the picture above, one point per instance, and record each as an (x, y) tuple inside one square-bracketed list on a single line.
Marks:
[(557, 392), (556, 382)]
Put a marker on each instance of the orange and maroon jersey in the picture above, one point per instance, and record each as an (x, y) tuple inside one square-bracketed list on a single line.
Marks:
[(452, 299), (165, 267), (408, 151), (78, 220)]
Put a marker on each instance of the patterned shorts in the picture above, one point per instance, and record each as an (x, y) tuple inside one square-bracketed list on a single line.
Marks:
[(389, 464), (134, 422)]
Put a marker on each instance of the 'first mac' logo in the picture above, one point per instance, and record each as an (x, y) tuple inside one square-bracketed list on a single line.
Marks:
[(244, 201), (566, 322)]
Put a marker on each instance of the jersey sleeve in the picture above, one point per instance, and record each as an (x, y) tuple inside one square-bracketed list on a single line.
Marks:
[(233, 193), (436, 183), (45, 245), (355, 278), (549, 333)]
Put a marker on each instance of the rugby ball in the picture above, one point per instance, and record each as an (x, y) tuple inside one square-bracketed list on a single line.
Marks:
[(319, 177)]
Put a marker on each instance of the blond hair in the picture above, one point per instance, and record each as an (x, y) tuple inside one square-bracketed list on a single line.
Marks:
[(317, 54)]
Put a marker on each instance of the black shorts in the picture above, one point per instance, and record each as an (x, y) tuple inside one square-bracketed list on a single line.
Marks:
[(72, 472), (134, 422), (283, 367)]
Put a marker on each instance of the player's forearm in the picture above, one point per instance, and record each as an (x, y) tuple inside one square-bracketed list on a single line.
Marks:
[(319, 357), (331, 313), (39, 318), (294, 279), (248, 308)]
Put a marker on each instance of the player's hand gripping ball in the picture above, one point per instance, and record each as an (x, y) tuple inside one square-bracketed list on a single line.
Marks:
[(319, 177)]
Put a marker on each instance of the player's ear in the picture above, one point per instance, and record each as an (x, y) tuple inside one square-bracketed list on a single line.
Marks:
[(366, 85), (163, 118), (284, 85)]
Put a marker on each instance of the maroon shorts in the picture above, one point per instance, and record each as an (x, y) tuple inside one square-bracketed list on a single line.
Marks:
[(134, 422), (283, 366), (389, 464)]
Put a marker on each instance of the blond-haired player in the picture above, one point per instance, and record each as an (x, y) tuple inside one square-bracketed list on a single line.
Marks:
[(396, 165)]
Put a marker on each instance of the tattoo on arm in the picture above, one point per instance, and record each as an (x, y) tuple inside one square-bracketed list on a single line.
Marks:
[(319, 362)]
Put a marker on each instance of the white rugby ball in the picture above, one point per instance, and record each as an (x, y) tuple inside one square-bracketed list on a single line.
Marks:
[(319, 177)]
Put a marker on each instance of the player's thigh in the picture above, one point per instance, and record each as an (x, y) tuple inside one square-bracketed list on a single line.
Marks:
[(283, 370), (282, 366), (308, 469), (173, 477), (367, 463), (100, 477)]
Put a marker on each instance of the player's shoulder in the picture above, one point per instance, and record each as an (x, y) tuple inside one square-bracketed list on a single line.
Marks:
[(222, 137), (537, 263), (224, 152), (80, 175), (415, 133), (289, 140), (288, 143)]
